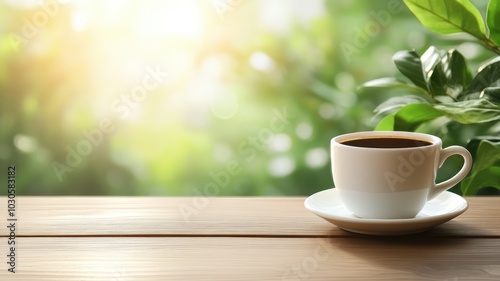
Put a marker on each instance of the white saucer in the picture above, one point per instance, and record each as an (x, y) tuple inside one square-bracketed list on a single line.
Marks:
[(441, 209)]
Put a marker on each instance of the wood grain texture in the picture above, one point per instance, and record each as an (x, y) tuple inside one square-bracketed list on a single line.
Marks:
[(240, 258), (254, 238), (226, 216)]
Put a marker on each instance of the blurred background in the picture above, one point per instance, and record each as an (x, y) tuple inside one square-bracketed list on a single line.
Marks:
[(212, 97)]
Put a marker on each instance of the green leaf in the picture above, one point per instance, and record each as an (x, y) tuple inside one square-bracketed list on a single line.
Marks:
[(493, 21), (396, 103), (485, 178), (430, 59), (470, 111), (433, 71), (488, 76), (489, 63), (409, 117), (409, 64), (440, 73), (488, 153), (438, 81), (486, 170), (458, 73), (491, 93), (386, 124), (473, 144), (448, 16), (393, 83)]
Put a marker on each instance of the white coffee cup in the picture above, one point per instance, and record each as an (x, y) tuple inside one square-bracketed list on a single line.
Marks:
[(391, 175)]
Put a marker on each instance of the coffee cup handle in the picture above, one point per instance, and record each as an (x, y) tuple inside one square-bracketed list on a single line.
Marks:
[(445, 153)]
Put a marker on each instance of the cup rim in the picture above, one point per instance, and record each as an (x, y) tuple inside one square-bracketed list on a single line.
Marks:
[(337, 140)]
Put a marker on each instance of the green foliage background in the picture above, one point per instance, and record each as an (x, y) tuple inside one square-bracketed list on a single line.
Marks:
[(225, 83)]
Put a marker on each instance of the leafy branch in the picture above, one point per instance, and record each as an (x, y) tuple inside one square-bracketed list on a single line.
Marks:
[(440, 84), (448, 17)]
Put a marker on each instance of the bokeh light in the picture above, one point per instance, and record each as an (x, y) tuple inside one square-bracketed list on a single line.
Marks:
[(152, 97)]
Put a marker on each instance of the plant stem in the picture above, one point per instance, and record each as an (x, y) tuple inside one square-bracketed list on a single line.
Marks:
[(450, 96), (490, 45)]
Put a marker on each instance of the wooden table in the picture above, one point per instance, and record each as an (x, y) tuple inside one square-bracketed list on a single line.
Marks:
[(255, 238)]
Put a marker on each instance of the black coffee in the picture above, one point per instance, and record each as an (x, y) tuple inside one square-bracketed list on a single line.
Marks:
[(386, 142)]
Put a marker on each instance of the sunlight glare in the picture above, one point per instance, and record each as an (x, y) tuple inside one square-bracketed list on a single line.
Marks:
[(281, 166), (182, 20), (261, 61), (79, 21), (316, 157)]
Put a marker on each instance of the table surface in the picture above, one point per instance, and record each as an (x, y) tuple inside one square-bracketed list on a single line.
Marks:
[(235, 238)]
